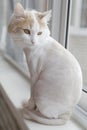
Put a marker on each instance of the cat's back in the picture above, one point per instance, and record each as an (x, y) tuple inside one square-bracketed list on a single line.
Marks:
[(60, 56), (61, 64)]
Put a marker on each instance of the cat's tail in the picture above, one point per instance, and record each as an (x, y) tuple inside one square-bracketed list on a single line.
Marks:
[(36, 116)]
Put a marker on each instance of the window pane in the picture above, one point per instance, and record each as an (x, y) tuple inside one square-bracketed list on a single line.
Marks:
[(84, 14), (78, 41)]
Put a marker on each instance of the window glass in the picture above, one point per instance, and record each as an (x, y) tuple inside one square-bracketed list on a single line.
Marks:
[(78, 41), (84, 14)]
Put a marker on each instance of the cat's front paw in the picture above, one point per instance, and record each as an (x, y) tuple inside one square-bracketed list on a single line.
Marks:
[(31, 104)]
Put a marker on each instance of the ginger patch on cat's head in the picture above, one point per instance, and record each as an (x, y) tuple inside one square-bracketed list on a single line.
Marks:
[(23, 18), (20, 18)]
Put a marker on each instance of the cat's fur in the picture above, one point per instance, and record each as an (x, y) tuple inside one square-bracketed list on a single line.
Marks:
[(55, 75)]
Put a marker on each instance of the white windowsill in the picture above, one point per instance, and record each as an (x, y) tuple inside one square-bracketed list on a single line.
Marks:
[(16, 85)]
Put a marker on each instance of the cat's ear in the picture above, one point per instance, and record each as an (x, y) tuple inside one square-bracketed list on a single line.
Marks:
[(19, 11), (46, 15)]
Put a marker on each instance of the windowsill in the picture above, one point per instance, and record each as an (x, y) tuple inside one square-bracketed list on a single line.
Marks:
[(17, 87)]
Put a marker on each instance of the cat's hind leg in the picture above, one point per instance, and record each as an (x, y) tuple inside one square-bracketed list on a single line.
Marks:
[(53, 111), (65, 115), (38, 117)]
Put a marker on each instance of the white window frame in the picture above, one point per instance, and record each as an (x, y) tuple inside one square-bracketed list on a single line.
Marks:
[(59, 20), (4, 29)]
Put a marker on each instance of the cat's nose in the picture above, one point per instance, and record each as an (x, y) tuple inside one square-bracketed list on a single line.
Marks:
[(32, 42)]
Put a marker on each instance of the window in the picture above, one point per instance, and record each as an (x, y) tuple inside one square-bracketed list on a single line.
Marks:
[(77, 44)]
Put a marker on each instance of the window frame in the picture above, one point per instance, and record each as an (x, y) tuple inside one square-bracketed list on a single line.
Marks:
[(60, 21)]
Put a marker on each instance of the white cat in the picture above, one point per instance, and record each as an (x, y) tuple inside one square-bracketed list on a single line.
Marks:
[(55, 75)]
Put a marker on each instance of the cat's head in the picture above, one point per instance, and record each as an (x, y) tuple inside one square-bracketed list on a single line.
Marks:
[(29, 28)]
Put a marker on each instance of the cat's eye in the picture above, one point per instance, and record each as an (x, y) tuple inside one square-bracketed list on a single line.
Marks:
[(27, 31), (39, 33)]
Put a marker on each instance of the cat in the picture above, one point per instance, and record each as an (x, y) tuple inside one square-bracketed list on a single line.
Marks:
[(55, 74)]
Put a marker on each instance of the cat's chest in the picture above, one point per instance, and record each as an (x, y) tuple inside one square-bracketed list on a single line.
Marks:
[(36, 60)]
